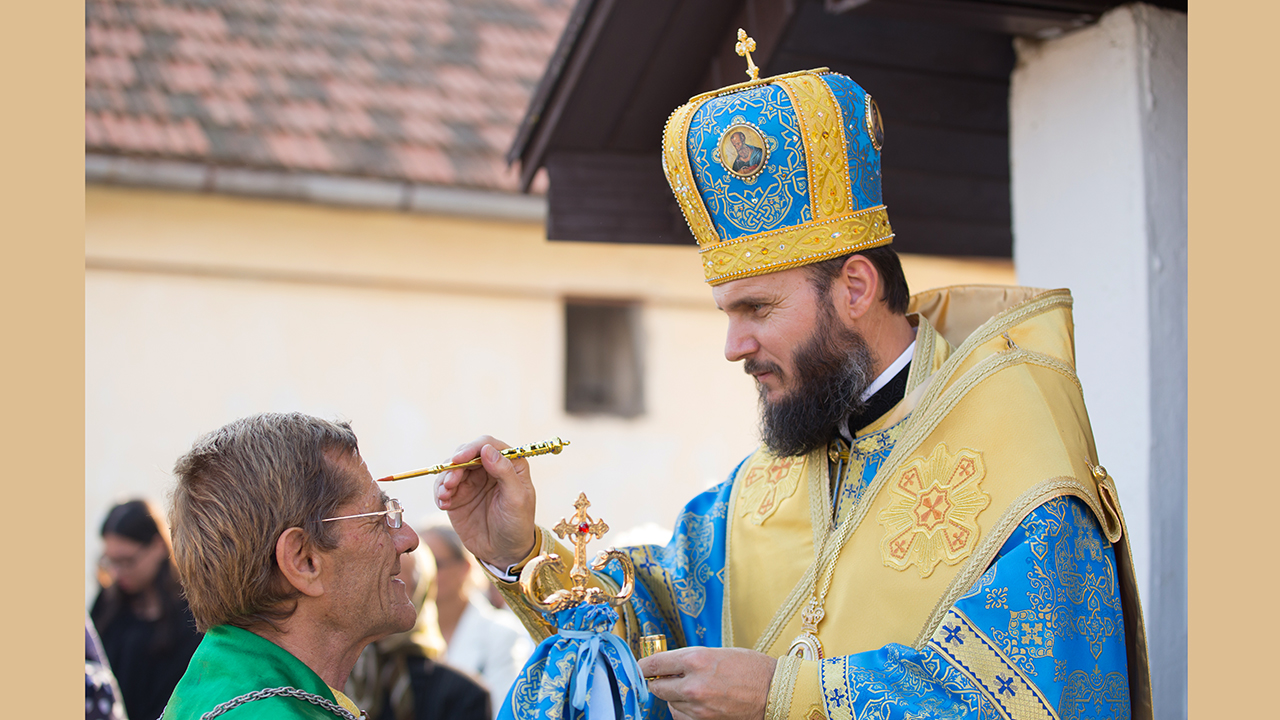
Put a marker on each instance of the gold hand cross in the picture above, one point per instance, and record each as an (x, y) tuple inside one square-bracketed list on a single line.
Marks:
[(578, 530)]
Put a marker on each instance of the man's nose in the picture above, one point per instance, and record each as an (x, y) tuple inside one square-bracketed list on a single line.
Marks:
[(406, 539), (738, 343)]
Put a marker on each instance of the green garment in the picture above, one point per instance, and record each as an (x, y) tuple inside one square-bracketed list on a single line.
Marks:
[(231, 662)]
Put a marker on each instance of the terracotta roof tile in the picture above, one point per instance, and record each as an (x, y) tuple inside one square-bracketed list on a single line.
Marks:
[(424, 164), (300, 151), (187, 77), (109, 71), (107, 40), (422, 90), (225, 110)]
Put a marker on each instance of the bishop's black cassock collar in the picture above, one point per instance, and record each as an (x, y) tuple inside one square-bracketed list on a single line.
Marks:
[(881, 402)]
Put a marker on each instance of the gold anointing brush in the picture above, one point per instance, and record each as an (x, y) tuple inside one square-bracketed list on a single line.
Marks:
[(553, 446)]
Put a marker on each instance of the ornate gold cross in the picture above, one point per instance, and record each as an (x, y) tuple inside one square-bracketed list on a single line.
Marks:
[(746, 45), (578, 530)]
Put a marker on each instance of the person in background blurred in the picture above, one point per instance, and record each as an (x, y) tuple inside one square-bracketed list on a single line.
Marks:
[(482, 640), (402, 676), (101, 693), (146, 628)]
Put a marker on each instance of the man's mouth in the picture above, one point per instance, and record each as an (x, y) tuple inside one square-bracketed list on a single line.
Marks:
[(758, 369)]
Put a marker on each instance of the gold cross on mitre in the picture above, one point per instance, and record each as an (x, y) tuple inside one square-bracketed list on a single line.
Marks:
[(578, 530), (746, 45)]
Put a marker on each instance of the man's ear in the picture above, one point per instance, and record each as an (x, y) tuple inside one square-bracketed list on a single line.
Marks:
[(857, 288), (299, 562)]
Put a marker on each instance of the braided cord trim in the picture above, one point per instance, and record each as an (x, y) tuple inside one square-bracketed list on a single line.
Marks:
[(286, 691)]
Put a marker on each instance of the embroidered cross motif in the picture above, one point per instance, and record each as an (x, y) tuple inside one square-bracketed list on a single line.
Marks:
[(1033, 633), (837, 697), (953, 635), (932, 508), (1006, 686), (931, 516), (766, 483)]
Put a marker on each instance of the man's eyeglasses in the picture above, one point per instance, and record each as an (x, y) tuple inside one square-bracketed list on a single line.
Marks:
[(393, 513)]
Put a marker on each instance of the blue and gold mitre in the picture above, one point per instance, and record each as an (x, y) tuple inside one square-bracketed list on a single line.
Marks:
[(778, 172)]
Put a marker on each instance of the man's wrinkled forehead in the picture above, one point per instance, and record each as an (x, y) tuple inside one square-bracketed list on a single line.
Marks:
[(349, 463), (757, 289)]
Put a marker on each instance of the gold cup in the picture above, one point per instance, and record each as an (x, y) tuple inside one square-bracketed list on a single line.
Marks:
[(652, 644)]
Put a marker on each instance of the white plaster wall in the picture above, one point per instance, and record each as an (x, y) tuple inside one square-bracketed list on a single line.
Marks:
[(423, 332), (1079, 221), (1098, 153), (169, 358)]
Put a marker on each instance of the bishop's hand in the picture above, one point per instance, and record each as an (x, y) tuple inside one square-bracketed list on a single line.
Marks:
[(704, 683), (491, 506)]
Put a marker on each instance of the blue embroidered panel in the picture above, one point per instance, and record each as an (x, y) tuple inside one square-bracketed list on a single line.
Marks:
[(680, 587), (899, 682), (864, 158), (1046, 612), (1051, 604), (558, 680), (776, 197)]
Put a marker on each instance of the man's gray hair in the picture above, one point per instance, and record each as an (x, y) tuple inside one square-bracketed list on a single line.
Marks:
[(238, 489)]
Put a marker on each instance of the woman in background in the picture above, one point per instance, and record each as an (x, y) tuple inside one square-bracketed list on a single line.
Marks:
[(146, 628)]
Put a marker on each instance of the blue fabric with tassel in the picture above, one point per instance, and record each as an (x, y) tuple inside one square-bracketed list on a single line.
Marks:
[(558, 680)]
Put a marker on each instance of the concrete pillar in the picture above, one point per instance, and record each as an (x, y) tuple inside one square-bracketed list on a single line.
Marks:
[(1098, 148)]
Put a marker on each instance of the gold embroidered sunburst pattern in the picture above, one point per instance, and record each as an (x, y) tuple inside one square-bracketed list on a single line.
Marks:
[(932, 515)]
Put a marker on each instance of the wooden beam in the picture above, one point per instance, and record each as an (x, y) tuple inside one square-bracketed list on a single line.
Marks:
[(610, 197)]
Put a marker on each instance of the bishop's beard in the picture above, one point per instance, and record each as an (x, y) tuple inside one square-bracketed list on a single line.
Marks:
[(830, 371)]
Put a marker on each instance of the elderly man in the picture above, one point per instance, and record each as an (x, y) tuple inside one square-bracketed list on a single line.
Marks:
[(288, 551), (926, 530)]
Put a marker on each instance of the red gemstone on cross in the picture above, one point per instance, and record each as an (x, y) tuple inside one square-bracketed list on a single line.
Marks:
[(584, 528)]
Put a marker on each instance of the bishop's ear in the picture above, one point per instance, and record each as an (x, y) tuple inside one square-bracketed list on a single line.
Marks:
[(857, 287), (300, 562)]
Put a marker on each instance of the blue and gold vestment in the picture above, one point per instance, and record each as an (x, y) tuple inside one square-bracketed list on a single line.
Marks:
[(978, 564)]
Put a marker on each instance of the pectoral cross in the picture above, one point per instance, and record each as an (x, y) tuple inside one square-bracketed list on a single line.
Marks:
[(746, 45)]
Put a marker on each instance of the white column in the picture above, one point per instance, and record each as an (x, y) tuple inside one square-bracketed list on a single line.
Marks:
[(1098, 148)]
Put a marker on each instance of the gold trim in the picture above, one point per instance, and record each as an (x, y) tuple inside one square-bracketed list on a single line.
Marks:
[(730, 89), (782, 688), (982, 661), (794, 246), (675, 165), (922, 358), (726, 616), (534, 622), (838, 669), (877, 140), (822, 129)]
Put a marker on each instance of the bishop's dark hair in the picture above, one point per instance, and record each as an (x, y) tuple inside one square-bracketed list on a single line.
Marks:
[(893, 281)]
